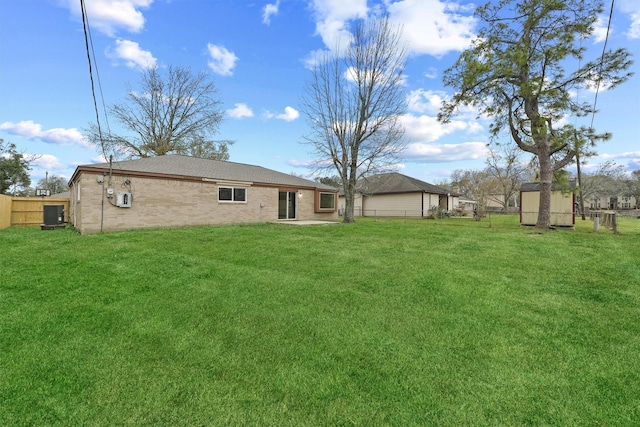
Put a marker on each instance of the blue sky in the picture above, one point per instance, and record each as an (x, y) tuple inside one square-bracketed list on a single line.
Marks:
[(258, 52)]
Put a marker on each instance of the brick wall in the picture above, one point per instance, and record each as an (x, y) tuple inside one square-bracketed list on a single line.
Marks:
[(173, 203)]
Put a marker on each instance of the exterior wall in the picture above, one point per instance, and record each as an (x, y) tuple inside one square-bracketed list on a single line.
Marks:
[(407, 204), (159, 202), (402, 204), (357, 203), (562, 208)]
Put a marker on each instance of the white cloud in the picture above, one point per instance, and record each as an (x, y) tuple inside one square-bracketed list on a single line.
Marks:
[(632, 8), (600, 30), (132, 55), (221, 61), (289, 115), (270, 10), (59, 136), (425, 101), (436, 153), (429, 129), (47, 162), (431, 73), (240, 111), (433, 27), (331, 18), (107, 16), (625, 155)]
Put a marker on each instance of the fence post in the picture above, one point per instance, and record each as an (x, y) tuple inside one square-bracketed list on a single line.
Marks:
[(596, 223), (615, 222)]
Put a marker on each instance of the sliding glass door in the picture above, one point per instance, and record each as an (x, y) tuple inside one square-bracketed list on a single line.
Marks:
[(287, 205)]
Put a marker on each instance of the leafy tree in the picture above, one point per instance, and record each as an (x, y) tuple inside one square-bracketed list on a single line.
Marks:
[(354, 102), (514, 72), (55, 183), (14, 170), (173, 113)]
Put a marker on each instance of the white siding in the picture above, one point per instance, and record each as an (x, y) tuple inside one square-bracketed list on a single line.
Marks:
[(562, 209), (408, 204)]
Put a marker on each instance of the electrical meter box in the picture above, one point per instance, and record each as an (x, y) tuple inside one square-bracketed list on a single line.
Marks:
[(123, 200)]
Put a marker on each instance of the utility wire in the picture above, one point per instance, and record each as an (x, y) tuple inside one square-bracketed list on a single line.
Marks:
[(85, 27), (91, 53), (604, 48)]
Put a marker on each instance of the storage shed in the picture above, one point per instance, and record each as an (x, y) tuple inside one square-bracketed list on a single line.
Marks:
[(563, 201)]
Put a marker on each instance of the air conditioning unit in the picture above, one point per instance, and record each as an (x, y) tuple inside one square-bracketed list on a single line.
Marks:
[(123, 200), (53, 214)]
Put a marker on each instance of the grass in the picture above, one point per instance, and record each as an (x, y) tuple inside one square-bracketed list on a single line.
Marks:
[(385, 322)]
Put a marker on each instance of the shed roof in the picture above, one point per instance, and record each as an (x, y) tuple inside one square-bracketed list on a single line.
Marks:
[(535, 186), (394, 182), (180, 166)]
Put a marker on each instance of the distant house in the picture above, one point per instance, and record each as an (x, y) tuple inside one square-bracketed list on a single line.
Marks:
[(175, 191), (394, 194), (563, 204), (612, 202)]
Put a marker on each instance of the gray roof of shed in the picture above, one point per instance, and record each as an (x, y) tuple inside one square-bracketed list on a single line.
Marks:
[(193, 167), (535, 186), (393, 182)]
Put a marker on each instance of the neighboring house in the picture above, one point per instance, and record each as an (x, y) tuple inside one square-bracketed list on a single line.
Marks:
[(467, 205), (175, 191), (563, 203), (394, 194), (615, 202)]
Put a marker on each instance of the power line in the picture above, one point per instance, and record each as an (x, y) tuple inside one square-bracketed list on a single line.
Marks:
[(85, 25), (604, 48)]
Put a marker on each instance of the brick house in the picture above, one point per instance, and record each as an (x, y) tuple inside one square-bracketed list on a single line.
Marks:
[(176, 191)]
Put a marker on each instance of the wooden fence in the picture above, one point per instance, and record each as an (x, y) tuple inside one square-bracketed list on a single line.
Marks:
[(5, 211), (607, 219), (27, 211)]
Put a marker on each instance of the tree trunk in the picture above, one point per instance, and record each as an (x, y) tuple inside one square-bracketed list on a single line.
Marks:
[(349, 206), (546, 181)]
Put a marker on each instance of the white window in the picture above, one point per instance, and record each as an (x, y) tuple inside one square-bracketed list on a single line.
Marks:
[(232, 194)]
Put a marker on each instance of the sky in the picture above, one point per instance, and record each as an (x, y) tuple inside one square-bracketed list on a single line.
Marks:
[(258, 53)]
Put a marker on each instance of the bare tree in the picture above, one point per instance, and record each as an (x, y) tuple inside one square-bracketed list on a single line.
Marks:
[(504, 165), (475, 184), (608, 179), (176, 113), (515, 73), (354, 102)]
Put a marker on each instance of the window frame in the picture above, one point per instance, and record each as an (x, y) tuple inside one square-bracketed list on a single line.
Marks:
[(318, 200), (233, 194)]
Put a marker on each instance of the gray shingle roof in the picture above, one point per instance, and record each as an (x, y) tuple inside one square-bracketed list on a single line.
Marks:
[(185, 166), (535, 186), (397, 183)]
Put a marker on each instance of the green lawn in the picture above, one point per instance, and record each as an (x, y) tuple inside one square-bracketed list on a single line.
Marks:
[(387, 322)]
